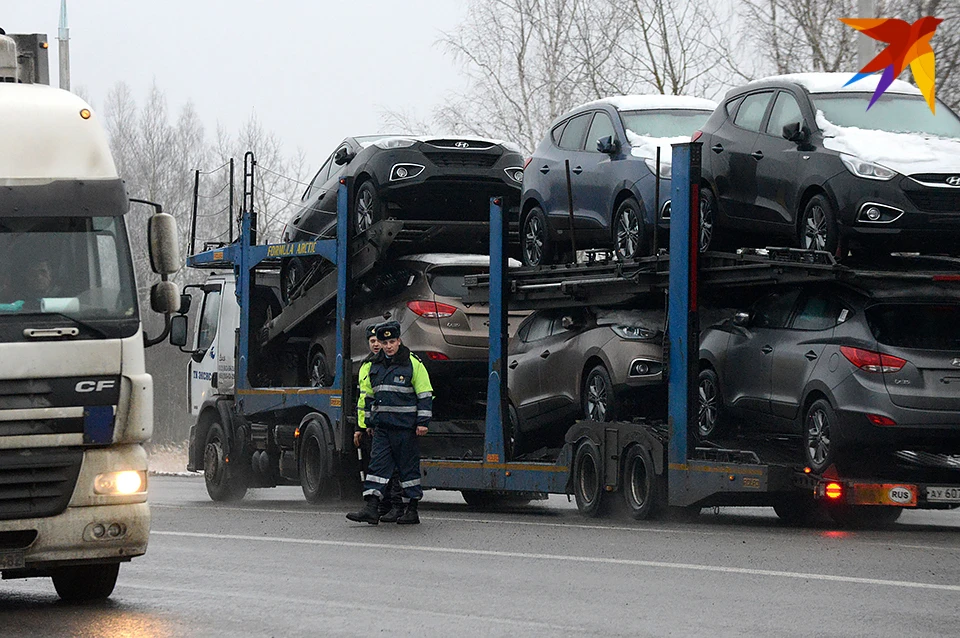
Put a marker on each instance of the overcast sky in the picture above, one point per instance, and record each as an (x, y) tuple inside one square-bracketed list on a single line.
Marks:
[(313, 71)]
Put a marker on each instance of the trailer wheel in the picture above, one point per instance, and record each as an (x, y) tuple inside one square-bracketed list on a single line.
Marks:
[(820, 436), (588, 479), (315, 475), (864, 516), (223, 476), (641, 486), (85, 582), (797, 509)]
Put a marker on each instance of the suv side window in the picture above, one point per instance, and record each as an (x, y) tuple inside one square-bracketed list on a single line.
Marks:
[(750, 113), (539, 328), (773, 311), (785, 111), (601, 127), (557, 132), (731, 106), (818, 311), (572, 137), (318, 180)]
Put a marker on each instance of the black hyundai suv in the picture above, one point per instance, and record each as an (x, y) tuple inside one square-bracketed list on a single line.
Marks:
[(800, 158)]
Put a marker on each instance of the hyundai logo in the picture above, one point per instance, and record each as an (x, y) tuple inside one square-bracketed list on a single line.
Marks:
[(954, 181), (467, 145), (956, 362)]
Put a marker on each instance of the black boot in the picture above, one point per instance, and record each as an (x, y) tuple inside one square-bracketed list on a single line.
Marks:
[(396, 511), (382, 508), (410, 516), (369, 512)]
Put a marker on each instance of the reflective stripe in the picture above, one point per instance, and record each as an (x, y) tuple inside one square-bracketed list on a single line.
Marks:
[(377, 479), (412, 483), (394, 408), (424, 395), (403, 389), (366, 414), (376, 493), (405, 500), (427, 413)]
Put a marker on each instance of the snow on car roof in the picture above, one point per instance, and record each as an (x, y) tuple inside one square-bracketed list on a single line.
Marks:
[(834, 82), (367, 140), (455, 259), (650, 102)]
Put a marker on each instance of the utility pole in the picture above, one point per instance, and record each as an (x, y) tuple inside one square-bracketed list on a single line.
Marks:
[(866, 46), (64, 40)]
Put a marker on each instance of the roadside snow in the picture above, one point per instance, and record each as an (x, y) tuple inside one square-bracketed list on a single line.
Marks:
[(645, 147), (906, 153), (833, 82), (650, 102)]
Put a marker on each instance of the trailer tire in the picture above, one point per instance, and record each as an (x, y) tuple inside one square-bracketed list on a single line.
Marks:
[(588, 479), (313, 464), (225, 480), (640, 485), (85, 582), (797, 510), (864, 516)]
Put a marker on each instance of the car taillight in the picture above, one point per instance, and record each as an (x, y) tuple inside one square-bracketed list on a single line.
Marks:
[(879, 419), (696, 136), (870, 361), (436, 356), (527, 162), (431, 309)]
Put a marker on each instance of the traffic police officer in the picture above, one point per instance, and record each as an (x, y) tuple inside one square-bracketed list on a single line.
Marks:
[(392, 510), (400, 411)]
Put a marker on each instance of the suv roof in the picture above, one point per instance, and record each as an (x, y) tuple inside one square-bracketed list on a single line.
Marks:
[(826, 83)]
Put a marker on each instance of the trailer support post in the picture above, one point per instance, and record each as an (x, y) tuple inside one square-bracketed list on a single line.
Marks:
[(497, 370)]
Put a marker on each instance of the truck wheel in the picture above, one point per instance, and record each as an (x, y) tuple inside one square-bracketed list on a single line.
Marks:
[(535, 239), (224, 476), (86, 582), (597, 397), (797, 509), (821, 438), (710, 405), (588, 479), (315, 475), (640, 483), (864, 516)]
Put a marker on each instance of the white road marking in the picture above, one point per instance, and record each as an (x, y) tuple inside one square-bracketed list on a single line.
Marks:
[(318, 601), (573, 559)]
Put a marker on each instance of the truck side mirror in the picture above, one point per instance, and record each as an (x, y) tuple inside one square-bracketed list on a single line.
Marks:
[(164, 244), (178, 330), (186, 300), (165, 297), (608, 145)]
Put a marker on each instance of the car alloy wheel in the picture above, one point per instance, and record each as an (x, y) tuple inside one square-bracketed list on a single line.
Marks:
[(533, 240), (597, 399), (818, 437), (628, 238), (365, 209), (706, 221), (815, 228), (708, 414), (318, 371)]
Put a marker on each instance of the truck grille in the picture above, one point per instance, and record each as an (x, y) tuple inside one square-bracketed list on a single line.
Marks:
[(462, 159), (940, 201), (37, 482)]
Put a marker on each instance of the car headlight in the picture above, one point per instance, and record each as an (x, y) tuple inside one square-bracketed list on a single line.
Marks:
[(120, 483), (867, 170), (633, 333), (394, 142), (664, 167), (515, 173)]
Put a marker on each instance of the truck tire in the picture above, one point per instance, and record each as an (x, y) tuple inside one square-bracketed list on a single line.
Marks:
[(797, 509), (864, 516), (640, 485), (225, 478), (313, 464), (588, 479), (86, 582)]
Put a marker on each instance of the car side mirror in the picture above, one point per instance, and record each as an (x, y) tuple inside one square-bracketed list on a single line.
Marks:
[(569, 323), (608, 145), (178, 330), (342, 156), (796, 132), (741, 319)]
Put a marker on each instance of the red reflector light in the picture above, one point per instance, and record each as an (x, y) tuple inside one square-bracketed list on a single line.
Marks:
[(696, 136), (833, 490), (946, 277), (527, 162), (870, 361), (431, 309), (437, 356), (878, 419)]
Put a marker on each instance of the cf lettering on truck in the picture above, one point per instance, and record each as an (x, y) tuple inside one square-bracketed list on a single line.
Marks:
[(76, 403)]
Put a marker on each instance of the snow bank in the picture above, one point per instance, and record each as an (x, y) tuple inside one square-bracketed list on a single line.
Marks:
[(834, 82)]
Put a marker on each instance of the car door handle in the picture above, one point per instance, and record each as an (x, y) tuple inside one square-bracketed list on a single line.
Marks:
[(766, 349), (513, 365), (811, 355), (386, 315), (577, 170), (717, 148), (757, 155), (544, 354), (544, 169)]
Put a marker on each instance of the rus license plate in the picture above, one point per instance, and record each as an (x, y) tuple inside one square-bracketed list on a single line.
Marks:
[(943, 494), (11, 559)]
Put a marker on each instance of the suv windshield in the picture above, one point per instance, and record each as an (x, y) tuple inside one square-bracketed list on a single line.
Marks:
[(925, 326), (75, 267), (892, 113), (664, 123)]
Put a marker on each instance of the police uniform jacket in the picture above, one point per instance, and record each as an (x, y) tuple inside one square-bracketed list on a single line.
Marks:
[(402, 396), (364, 397)]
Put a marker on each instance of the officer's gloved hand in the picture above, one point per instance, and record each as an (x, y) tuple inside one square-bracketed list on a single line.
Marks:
[(357, 437), (421, 430)]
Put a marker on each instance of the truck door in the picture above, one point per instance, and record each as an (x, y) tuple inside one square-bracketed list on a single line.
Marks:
[(203, 363)]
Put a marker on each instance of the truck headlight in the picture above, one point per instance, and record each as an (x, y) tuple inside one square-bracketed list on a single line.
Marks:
[(125, 482), (865, 169)]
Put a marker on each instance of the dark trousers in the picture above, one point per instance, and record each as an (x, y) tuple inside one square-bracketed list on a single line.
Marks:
[(394, 450), (393, 493)]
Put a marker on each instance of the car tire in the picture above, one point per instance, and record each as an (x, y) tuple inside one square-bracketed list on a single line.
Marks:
[(318, 372), (629, 230), (641, 486), (513, 437), (821, 440), (709, 404), (225, 479), (367, 207), (818, 226), (313, 465), (291, 277), (535, 245), (708, 221), (597, 398), (85, 582), (588, 479)]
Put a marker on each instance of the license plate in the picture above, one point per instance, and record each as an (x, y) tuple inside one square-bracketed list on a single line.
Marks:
[(943, 494), (11, 559)]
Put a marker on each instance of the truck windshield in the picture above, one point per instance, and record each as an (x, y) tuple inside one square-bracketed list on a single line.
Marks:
[(67, 267), (892, 113)]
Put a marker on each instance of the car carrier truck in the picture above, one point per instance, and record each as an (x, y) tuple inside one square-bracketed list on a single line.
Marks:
[(254, 430), (76, 403)]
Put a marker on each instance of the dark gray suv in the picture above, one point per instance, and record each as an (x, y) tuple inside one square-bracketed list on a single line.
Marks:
[(840, 368)]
